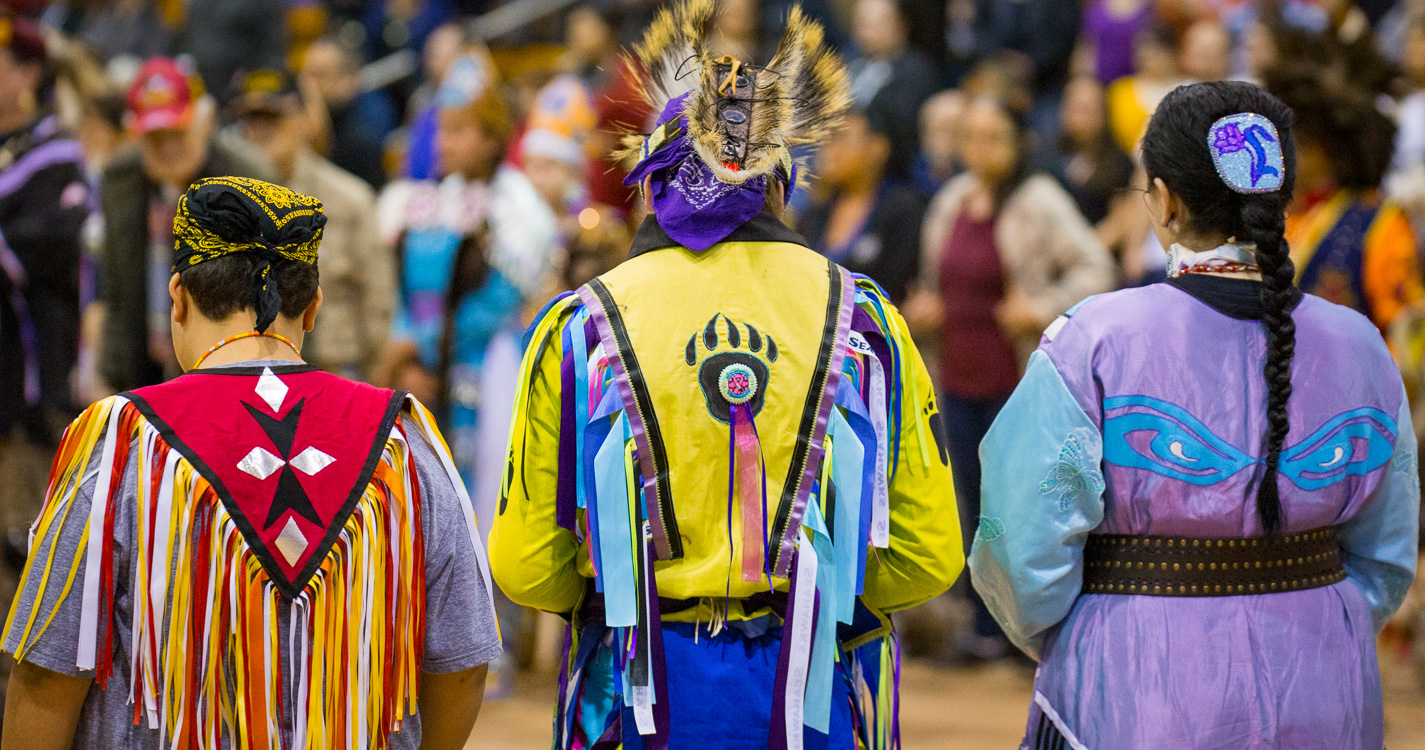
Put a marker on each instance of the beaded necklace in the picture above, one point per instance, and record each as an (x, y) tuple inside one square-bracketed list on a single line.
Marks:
[(1223, 268), (1227, 258), (244, 335)]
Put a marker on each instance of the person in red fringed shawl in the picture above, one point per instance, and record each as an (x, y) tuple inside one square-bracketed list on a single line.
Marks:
[(257, 554)]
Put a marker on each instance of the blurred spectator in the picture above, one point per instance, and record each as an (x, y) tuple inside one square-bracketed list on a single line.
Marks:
[(357, 269), (1087, 162), (472, 248), (101, 129), (1109, 30), (1270, 42), (1206, 52), (1131, 100), (960, 45), (554, 156), (1410, 117), (125, 28), (443, 46), (1304, 15), (225, 36), (44, 200), (1350, 246), (866, 223), (101, 134), (1127, 232), (1006, 76), (359, 120), (307, 20), (139, 195), (1259, 51), (599, 242), (394, 25), (1352, 48), (1045, 32), (402, 26), (891, 76), (593, 55), (1004, 251), (552, 149), (1391, 30), (737, 31), (938, 160)]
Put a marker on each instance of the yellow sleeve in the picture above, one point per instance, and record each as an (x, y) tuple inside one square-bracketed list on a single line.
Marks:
[(926, 553), (532, 558), (1391, 275)]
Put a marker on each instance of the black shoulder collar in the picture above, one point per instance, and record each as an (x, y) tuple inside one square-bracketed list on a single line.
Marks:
[(764, 227), (1235, 298)]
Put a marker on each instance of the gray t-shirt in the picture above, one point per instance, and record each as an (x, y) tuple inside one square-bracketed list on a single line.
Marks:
[(460, 625)]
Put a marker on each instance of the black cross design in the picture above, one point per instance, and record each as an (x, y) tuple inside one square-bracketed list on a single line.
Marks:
[(290, 495)]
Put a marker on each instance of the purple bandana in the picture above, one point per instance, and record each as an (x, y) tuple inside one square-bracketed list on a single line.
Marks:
[(692, 205)]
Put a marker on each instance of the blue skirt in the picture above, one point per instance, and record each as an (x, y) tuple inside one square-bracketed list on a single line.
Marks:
[(720, 691)]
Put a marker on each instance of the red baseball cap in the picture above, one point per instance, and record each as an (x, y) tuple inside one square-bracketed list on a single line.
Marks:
[(161, 97)]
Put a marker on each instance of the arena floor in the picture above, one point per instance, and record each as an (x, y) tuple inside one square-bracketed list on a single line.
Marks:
[(945, 709)]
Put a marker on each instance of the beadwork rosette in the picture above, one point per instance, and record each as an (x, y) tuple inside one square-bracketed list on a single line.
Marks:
[(738, 383)]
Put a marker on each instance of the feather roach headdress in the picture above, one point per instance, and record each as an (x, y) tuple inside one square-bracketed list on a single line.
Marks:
[(726, 125)]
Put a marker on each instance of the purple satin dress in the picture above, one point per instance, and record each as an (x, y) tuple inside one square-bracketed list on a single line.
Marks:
[(1143, 413)]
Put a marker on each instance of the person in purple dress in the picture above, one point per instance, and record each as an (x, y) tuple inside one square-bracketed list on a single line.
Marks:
[(1201, 502)]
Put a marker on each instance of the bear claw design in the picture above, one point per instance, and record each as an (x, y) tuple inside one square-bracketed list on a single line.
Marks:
[(732, 375)]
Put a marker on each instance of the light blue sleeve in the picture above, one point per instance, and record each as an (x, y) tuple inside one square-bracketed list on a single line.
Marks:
[(1381, 542), (1041, 493)]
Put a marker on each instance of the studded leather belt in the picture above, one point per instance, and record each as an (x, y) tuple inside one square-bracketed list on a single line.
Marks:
[(1188, 566)]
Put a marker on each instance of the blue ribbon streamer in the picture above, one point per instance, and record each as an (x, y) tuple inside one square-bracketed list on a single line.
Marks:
[(620, 584)]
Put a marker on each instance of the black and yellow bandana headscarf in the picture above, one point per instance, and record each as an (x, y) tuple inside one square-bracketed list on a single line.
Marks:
[(224, 215)]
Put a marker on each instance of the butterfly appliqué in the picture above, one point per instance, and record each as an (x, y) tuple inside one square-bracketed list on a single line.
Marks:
[(1075, 474), (990, 528), (1405, 463)]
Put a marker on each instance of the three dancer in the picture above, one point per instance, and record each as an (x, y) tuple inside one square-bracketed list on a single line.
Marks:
[(726, 467)]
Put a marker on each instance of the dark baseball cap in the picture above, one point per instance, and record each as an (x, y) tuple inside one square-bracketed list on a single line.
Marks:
[(264, 91)]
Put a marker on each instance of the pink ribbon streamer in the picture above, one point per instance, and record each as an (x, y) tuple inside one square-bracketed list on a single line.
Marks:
[(749, 479)]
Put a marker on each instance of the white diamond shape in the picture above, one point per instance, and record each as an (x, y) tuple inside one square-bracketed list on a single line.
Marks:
[(291, 543), (260, 463), (271, 389), (311, 461)]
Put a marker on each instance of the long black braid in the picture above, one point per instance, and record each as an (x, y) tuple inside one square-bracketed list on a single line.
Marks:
[(1264, 227), (1175, 149)]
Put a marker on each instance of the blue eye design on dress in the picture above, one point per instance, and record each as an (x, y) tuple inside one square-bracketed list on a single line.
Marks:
[(1147, 433), (1165, 439), (1351, 444)]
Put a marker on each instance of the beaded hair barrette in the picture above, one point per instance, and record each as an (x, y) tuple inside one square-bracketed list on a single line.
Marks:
[(1247, 153)]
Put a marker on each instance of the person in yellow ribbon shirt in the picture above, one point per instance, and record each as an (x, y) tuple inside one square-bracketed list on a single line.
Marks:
[(726, 461)]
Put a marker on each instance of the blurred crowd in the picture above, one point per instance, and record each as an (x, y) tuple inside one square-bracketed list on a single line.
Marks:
[(987, 178)]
